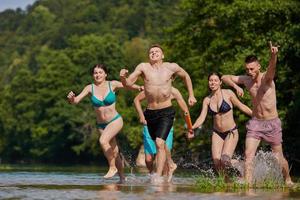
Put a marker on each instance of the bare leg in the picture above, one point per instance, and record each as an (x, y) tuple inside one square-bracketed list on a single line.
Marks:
[(149, 159), (251, 147), (107, 135), (277, 150), (216, 150), (171, 165), (228, 149), (118, 160), (161, 155)]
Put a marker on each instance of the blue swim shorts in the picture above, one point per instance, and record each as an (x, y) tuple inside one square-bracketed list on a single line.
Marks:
[(149, 144)]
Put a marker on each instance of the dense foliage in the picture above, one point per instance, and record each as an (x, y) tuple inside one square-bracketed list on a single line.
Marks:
[(48, 49)]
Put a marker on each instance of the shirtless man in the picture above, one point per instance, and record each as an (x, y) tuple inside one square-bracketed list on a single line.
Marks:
[(149, 144), (265, 124), (157, 76)]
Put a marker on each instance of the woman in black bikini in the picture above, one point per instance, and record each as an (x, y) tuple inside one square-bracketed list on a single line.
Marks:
[(225, 134)]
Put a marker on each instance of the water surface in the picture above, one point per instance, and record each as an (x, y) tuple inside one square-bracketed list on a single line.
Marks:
[(90, 185)]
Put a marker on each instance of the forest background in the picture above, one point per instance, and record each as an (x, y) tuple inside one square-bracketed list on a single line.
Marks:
[(48, 49)]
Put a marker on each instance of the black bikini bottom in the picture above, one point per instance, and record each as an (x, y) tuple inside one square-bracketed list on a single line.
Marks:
[(223, 135)]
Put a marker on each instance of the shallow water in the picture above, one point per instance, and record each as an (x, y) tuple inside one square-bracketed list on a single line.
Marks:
[(78, 185)]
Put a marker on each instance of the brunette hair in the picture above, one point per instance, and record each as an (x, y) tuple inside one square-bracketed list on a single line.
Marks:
[(155, 45), (250, 59), (101, 66), (216, 74)]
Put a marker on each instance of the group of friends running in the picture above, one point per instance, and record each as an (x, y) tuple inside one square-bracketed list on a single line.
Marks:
[(158, 117)]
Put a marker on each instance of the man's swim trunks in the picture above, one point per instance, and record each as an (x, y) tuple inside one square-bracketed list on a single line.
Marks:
[(149, 144), (267, 130), (160, 122)]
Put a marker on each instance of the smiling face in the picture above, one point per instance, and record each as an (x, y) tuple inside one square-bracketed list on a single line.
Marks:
[(156, 54), (99, 75), (214, 82), (253, 69)]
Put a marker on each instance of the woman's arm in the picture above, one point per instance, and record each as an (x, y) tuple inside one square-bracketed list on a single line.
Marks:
[(73, 99)]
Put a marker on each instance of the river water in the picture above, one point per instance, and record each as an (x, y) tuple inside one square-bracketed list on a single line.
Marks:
[(67, 185)]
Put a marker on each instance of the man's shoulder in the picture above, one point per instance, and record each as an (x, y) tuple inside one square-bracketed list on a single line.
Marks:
[(170, 64), (142, 65)]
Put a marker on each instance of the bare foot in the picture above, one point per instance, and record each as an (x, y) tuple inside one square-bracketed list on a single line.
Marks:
[(156, 180), (122, 180), (172, 168), (111, 172), (289, 183)]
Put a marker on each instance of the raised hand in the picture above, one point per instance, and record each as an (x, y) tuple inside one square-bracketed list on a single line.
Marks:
[(71, 96), (123, 73), (273, 49)]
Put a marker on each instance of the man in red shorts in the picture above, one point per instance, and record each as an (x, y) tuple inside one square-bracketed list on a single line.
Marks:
[(265, 124)]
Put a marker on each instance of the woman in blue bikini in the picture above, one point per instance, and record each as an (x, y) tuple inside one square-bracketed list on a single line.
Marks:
[(109, 121), (225, 133)]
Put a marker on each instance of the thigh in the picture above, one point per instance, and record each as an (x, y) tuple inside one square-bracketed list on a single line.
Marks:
[(251, 146), (230, 143), (112, 129), (216, 146)]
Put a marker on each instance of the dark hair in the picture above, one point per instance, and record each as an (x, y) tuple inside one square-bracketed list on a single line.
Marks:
[(250, 59), (155, 45), (216, 74), (101, 66)]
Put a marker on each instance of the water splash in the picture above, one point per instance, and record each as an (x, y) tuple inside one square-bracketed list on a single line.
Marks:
[(266, 168)]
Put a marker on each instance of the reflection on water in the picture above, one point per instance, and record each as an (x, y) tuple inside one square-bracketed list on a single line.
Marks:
[(66, 185)]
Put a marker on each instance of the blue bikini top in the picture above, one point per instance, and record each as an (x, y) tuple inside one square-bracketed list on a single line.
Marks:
[(224, 108), (108, 100)]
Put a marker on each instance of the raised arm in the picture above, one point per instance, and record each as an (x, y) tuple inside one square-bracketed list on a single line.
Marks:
[(200, 120), (127, 82), (233, 81), (235, 101), (137, 104), (270, 73), (73, 99), (117, 85), (188, 82)]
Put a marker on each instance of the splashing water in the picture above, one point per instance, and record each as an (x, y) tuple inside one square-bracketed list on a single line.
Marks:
[(266, 168)]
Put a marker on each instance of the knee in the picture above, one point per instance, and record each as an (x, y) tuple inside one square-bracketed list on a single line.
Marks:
[(160, 145), (103, 142), (249, 156), (226, 160), (148, 159)]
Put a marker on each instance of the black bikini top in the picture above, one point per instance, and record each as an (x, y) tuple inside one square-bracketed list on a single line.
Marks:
[(224, 108)]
